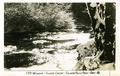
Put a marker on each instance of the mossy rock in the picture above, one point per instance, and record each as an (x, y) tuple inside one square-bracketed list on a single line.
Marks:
[(87, 49)]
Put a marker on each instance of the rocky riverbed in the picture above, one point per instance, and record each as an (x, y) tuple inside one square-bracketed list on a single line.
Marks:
[(56, 51), (46, 51)]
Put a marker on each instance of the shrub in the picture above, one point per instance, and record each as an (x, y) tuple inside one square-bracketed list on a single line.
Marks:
[(37, 17)]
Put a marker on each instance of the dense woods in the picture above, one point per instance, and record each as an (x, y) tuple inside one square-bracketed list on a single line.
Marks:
[(42, 26), (38, 17)]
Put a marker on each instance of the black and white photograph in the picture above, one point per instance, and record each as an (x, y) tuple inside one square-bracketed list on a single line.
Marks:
[(60, 36)]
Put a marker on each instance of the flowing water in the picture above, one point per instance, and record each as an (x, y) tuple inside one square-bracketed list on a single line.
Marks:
[(58, 50)]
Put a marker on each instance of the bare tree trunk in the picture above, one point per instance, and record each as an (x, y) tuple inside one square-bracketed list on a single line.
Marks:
[(103, 23)]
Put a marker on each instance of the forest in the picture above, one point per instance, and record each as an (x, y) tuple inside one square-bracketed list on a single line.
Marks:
[(59, 36)]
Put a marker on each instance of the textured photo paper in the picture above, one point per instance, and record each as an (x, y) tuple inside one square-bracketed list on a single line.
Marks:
[(60, 38)]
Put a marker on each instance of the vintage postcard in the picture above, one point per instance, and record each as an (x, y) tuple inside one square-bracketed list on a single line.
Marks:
[(60, 38)]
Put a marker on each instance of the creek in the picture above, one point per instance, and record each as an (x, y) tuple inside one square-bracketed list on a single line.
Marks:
[(58, 50)]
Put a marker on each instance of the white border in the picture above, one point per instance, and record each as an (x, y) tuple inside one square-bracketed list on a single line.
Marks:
[(23, 73), (60, 1)]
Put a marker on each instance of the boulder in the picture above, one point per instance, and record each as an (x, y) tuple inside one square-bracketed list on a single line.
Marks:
[(87, 49)]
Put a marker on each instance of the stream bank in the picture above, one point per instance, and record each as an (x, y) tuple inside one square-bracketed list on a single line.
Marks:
[(46, 51)]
